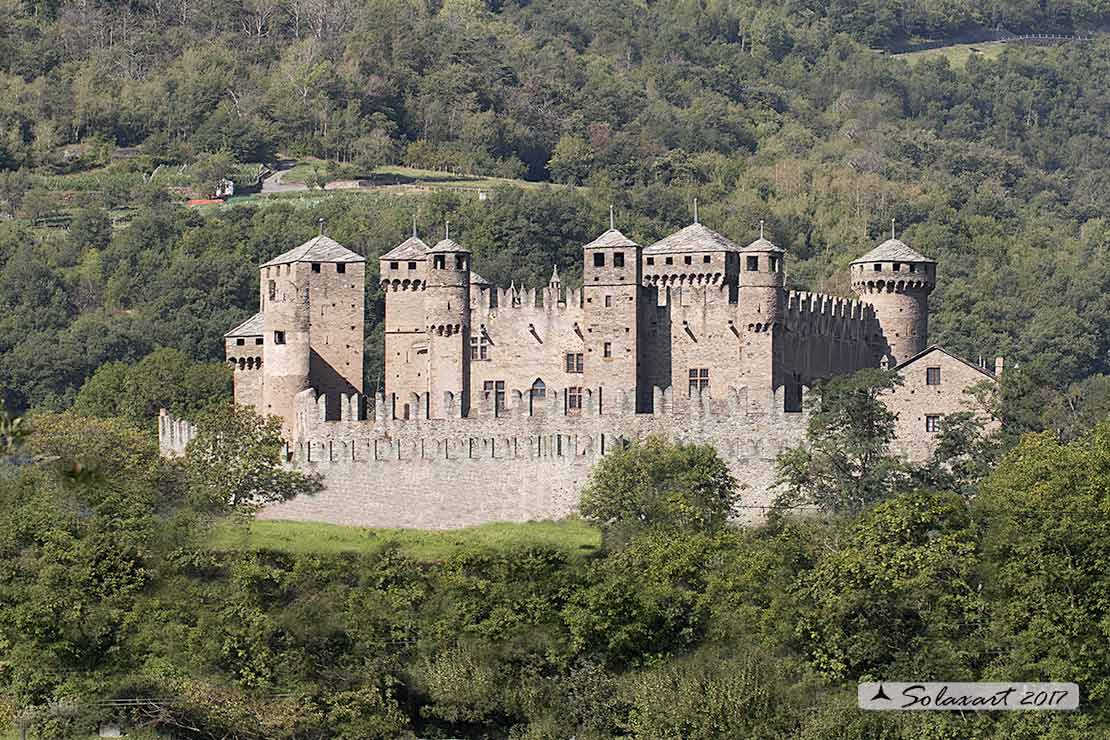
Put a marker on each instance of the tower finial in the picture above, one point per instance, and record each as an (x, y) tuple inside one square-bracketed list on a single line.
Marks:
[(414, 224), (892, 228), (760, 228), (695, 210), (612, 221), (320, 224), (447, 229)]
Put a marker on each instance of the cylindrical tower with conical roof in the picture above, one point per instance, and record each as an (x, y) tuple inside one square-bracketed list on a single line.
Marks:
[(897, 281), (447, 321), (760, 313), (287, 348)]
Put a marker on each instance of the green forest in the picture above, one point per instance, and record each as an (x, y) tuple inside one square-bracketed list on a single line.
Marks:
[(131, 593), (124, 575)]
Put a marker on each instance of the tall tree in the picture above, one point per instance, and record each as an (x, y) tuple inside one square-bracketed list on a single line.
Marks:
[(846, 462)]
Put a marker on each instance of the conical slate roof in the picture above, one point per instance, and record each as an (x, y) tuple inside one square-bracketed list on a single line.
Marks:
[(761, 245), (892, 250), (448, 245), (410, 249), (317, 249), (611, 238), (252, 327), (693, 238)]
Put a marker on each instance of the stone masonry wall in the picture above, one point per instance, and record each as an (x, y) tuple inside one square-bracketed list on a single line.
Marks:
[(457, 472), (526, 339), (915, 400)]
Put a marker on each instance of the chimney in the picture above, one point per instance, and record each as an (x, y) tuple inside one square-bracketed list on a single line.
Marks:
[(998, 361)]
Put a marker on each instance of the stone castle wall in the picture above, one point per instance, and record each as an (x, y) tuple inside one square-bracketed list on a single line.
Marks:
[(525, 339), (529, 463), (827, 336)]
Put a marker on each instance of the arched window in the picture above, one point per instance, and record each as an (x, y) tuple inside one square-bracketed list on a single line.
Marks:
[(536, 394), (250, 363), (242, 363)]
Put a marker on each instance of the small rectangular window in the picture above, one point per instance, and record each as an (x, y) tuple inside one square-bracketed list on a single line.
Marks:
[(932, 376), (316, 267), (878, 268), (670, 260), (753, 264), (258, 340), (699, 379), (618, 259), (651, 260), (897, 267), (574, 400), (340, 267), (393, 265), (707, 259), (932, 423), (460, 261), (599, 259), (774, 262), (608, 301), (496, 388), (479, 348), (913, 267), (688, 260), (439, 262), (279, 337), (574, 362), (607, 349), (240, 342), (412, 265)]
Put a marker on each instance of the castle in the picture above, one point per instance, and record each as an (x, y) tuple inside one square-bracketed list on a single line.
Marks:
[(497, 401)]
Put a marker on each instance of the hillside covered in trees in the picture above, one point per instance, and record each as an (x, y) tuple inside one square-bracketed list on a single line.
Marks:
[(776, 112), (114, 297)]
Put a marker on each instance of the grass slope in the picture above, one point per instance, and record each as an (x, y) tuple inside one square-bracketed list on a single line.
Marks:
[(572, 535), (957, 54), (395, 175)]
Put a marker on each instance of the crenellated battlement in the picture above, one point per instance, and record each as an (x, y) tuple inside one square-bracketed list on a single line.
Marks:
[(817, 313), (359, 413), (526, 301)]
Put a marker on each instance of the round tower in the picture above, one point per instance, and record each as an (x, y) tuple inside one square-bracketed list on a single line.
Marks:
[(761, 285), (760, 313), (286, 349), (447, 323), (897, 281)]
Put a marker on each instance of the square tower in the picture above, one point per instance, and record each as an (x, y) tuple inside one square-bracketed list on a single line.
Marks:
[(313, 317), (611, 303)]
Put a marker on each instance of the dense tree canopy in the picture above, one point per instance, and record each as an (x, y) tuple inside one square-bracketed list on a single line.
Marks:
[(111, 588)]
